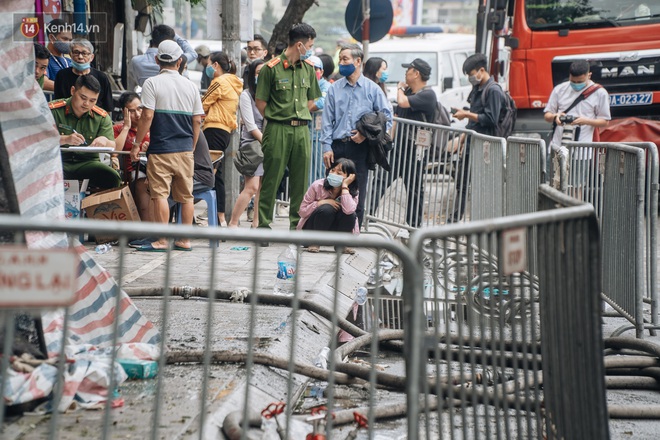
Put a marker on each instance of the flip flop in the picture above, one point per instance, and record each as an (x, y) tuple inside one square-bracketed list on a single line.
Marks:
[(149, 248), (141, 242), (182, 248)]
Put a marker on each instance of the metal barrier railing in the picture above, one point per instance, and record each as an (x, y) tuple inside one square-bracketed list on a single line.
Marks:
[(525, 171), (490, 322), (621, 183), (278, 363), (419, 190), (499, 357), (487, 161)]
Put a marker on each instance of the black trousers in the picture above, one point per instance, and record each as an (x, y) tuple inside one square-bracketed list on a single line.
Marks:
[(218, 139), (358, 154), (326, 218)]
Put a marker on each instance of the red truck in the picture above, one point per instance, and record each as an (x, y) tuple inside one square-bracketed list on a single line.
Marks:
[(534, 41)]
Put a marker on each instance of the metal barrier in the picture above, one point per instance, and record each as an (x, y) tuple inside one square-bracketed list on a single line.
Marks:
[(487, 160), (279, 349), (491, 324), (419, 190), (621, 183), (500, 358), (525, 171)]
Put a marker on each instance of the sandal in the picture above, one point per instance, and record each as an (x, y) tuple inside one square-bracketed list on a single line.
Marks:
[(313, 249), (349, 251)]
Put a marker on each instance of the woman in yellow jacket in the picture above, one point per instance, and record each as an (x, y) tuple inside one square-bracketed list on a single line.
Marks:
[(220, 104)]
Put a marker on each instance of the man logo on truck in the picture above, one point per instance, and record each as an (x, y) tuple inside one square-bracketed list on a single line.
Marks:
[(627, 71)]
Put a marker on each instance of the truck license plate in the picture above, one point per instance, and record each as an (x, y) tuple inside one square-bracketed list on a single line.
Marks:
[(626, 99)]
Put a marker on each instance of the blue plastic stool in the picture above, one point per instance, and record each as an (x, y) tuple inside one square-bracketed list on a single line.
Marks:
[(212, 208)]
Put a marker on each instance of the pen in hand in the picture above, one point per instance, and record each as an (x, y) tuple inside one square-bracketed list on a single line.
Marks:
[(84, 140)]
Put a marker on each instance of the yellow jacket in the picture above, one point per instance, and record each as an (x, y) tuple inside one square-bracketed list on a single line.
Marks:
[(220, 102)]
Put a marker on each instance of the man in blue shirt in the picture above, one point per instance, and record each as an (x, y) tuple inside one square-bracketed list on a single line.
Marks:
[(145, 66), (348, 99), (59, 44)]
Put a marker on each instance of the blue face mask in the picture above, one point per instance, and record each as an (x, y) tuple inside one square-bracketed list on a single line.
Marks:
[(80, 67), (346, 69), (578, 86), (384, 75), (210, 71), (334, 180), (255, 79), (307, 54)]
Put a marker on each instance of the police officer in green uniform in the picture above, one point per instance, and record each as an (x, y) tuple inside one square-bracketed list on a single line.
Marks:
[(81, 123), (286, 88)]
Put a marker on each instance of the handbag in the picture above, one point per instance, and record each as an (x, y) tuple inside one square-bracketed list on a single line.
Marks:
[(248, 158)]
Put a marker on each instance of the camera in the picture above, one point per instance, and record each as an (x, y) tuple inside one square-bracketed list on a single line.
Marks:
[(567, 119), (569, 133)]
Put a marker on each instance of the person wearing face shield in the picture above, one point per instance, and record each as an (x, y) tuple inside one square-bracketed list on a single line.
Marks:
[(59, 46), (286, 88), (578, 102), (483, 116)]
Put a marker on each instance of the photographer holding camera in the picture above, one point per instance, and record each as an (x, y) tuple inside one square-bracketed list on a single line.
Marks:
[(577, 105)]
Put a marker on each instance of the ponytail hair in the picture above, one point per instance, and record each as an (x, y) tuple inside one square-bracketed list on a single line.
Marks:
[(225, 63)]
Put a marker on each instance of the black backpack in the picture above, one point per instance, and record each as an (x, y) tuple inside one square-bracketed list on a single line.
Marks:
[(441, 115), (508, 114)]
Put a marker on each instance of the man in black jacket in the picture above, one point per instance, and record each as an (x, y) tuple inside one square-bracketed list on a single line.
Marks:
[(483, 117)]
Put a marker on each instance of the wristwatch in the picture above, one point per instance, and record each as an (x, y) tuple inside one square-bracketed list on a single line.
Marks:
[(403, 89)]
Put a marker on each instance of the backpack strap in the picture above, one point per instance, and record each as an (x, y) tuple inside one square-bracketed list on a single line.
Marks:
[(483, 92)]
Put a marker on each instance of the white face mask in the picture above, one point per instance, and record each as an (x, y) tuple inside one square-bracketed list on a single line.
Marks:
[(334, 180)]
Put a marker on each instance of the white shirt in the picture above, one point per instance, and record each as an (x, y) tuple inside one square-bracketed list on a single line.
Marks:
[(596, 106)]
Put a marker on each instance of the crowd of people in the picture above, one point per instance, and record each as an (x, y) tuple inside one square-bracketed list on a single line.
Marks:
[(278, 95)]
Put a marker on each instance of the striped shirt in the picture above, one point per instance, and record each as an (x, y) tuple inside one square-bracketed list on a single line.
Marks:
[(174, 100)]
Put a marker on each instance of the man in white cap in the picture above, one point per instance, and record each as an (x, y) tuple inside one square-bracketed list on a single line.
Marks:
[(204, 59), (172, 112)]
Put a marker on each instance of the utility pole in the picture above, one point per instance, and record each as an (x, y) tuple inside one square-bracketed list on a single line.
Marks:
[(213, 22), (366, 13), (231, 45)]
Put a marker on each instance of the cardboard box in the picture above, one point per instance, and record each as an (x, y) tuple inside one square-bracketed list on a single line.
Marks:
[(112, 204), (73, 195), (136, 369)]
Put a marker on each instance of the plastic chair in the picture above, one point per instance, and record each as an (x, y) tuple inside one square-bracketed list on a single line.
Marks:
[(212, 208)]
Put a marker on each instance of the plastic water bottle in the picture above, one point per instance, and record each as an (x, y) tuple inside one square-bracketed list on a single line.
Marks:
[(321, 360), (361, 296), (286, 272), (103, 248)]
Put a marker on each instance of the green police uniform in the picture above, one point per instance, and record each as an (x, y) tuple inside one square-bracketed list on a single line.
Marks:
[(286, 88), (94, 123)]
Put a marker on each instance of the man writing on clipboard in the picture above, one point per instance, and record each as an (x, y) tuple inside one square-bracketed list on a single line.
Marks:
[(81, 123)]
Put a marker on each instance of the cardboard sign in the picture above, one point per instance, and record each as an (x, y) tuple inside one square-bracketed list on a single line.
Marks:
[(514, 250), (423, 138), (37, 277)]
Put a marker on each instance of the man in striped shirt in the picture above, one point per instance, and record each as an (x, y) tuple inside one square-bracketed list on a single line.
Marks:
[(172, 112)]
